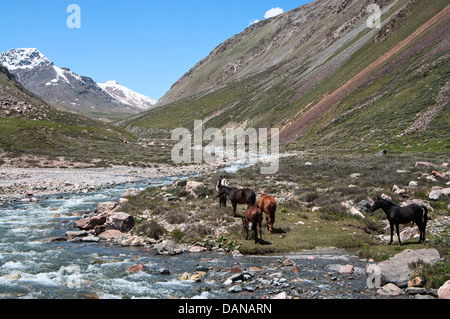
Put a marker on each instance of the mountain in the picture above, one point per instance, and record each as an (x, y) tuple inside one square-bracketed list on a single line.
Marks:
[(324, 78), (63, 87), (127, 96), (34, 132)]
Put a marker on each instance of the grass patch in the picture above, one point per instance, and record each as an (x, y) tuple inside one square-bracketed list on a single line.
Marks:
[(299, 188)]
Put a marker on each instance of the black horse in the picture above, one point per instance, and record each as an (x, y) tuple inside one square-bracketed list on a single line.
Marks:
[(238, 196), (403, 215)]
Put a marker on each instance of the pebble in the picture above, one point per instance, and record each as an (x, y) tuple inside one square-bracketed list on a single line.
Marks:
[(164, 271), (235, 289)]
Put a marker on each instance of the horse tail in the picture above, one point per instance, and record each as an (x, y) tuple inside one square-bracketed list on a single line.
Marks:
[(255, 220), (253, 198), (425, 214)]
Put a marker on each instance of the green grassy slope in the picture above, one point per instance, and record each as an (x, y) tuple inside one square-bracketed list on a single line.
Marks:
[(374, 115), (28, 125)]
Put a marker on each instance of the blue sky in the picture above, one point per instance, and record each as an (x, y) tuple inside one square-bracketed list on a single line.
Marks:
[(144, 45)]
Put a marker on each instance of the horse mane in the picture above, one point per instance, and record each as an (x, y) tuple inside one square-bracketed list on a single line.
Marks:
[(228, 187), (388, 201)]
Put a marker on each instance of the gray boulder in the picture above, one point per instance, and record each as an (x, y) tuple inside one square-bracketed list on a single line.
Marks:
[(363, 206), (105, 207), (390, 290), (169, 247), (437, 192), (120, 221), (381, 153), (396, 269), (91, 223)]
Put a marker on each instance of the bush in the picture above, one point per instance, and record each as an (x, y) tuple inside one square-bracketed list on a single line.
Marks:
[(176, 216), (434, 276), (150, 229), (177, 235), (372, 226), (196, 232), (332, 212), (203, 191), (311, 196)]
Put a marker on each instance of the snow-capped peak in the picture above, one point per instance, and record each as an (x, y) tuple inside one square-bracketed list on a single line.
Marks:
[(127, 96), (30, 58)]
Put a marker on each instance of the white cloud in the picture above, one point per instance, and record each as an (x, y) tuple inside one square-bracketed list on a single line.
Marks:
[(273, 12), (254, 21)]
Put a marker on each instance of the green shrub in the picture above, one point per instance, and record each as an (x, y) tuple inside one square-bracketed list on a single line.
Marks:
[(177, 235), (176, 216), (150, 229), (434, 276)]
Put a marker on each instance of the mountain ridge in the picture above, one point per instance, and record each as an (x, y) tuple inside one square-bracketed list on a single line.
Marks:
[(62, 87), (274, 41), (33, 133), (333, 46)]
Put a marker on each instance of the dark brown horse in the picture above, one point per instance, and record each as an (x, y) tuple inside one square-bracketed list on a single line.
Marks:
[(238, 196), (403, 215), (268, 205), (253, 215)]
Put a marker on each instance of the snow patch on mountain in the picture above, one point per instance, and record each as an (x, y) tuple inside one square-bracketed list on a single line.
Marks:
[(127, 96), (63, 74), (20, 59)]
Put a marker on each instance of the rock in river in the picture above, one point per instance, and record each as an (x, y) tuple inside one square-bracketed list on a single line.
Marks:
[(120, 221), (396, 269)]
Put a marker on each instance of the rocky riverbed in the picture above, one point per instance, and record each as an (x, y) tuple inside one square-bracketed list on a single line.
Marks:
[(28, 183), (40, 260)]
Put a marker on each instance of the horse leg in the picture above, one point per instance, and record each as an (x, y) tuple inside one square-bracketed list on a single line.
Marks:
[(234, 209), (260, 230), (246, 229), (422, 233), (398, 234), (256, 221), (392, 233)]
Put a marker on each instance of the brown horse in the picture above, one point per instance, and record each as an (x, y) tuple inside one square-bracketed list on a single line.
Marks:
[(238, 196), (253, 215), (268, 205)]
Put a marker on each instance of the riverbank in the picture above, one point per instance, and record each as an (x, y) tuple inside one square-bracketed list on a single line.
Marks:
[(310, 193), (18, 183)]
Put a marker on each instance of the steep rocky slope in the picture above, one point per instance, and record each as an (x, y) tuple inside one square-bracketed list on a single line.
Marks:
[(323, 77)]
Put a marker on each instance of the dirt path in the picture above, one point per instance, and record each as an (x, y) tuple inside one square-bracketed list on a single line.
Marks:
[(300, 126)]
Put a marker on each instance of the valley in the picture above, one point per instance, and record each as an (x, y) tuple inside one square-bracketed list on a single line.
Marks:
[(362, 113)]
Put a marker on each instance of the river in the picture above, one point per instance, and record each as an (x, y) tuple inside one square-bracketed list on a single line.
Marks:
[(34, 269)]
